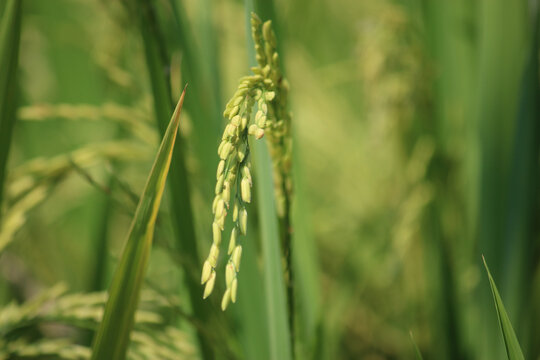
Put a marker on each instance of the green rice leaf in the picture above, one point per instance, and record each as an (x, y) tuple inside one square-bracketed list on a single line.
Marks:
[(276, 303), (279, 333), (112, 338), (417, 353), (513, 350), (181, 214)]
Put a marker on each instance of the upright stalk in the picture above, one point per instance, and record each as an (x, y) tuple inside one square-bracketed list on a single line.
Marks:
[(267, 207), (501, 60), (204, 104), (10, 32), (286, 236), (522, 210), (180, 202)]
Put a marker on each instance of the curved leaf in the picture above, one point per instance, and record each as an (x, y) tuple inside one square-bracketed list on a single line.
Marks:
[(513, 350), (112, 338)]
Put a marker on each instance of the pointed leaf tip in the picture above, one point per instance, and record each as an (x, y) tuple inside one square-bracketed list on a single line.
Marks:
[(112, 337), (513, 349), (417, 353), (178, 109)]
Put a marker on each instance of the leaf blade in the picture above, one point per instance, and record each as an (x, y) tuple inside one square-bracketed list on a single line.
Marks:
[(276, 304), (279, 332), (417, 353), (513, 349), (182, 215), (112, 338)]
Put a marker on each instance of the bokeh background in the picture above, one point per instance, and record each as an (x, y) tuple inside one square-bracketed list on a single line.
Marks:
[(416, 152)]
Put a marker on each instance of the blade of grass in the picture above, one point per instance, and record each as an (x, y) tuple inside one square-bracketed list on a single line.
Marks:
[(513, 350), (449, 49), (276, 302), (299, 247), (210, 55), (251, 302), (441, 287), (417, 353), (279, 332), (203, 104), (112, 337), (500, 66), (181, 208), (157, 65), (10, 33), (521, 212)]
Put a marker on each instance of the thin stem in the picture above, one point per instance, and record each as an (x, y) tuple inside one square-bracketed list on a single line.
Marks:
[(10, 31), (286, 236), (265, 9), (181, 209)]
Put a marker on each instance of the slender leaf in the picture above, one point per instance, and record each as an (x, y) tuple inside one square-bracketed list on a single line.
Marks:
[(182, 217), (112, 338), (251, 308), (513, 350), (280, 344), (449, 91), (303, 261), (501, 60), (417, 353), (276, 302), (522, 210), (10, 33), (203, 105)]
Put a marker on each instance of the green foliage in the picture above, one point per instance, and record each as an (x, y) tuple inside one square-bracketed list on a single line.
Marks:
[(10, 33), (182, 217), (417, 353), (268, 89), (513, 350), (112, 338), (280, 331), (413, 148)]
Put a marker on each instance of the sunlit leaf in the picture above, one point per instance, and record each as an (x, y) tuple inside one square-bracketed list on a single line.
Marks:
[(112, 338)]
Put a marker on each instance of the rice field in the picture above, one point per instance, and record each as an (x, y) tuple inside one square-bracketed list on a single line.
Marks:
[(269, 180)]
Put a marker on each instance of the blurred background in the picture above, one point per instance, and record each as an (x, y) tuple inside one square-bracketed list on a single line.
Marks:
[(416, 152)]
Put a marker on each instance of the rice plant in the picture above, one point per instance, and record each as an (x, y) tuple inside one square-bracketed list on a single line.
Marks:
[(337, 175)]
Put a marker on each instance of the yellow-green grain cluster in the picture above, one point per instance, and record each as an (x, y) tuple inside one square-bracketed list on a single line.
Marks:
[(274, 105), (266, 91)]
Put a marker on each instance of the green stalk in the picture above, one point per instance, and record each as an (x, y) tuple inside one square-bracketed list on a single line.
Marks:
[(180, 202), (501, 60), (101, 253), (298, 245), (441, 283), (521, 231), (417, 353), (102, 239), (204, 105), (279, 332), (511, 343), (10, 33), (280, 306), (449, 53), (210, 55), (251, 302)]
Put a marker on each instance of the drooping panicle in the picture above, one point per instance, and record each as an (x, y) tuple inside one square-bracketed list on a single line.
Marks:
[(266, 91)]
